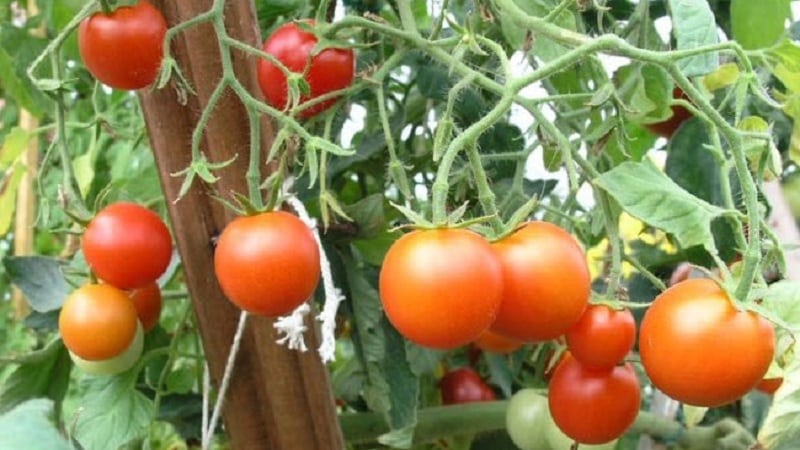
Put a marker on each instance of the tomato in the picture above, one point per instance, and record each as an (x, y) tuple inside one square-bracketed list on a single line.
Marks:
[(268, 263), (492, 342), (526, 418), (698, 348), (679, 115), (546, 282), (464, 385), (441, 288), (97, 321), (593, 406), (147, 301), (769, 385), (116, 364), (557, 440), (329, 70), (127, 245), (124, 49), (602, 337)]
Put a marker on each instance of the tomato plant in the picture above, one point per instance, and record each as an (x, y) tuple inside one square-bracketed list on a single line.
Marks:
[(131, 233), (602, 337), (464, 385), (680, 327), (147, 301), (267, 263), (325, 71), (441, 288), (545, 282), (124, 49)]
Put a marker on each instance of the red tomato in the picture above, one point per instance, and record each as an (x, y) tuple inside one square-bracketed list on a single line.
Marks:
[(97, 322), (147, 301), (127, 245), (329, 70), (268, 263), (699, 349), (124, 49), (492, 342), (593, 406), (441, 288), (680, 114), (546, 283), (769, 385), (464, 385), (602, 337)]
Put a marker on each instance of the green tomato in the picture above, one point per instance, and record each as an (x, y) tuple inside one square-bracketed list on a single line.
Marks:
[(117, 364), (526, 417), (557, 440)]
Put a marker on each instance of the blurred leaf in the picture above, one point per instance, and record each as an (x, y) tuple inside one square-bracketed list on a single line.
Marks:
[(781, 430), (726, 75), (368, 214), (42, 321), (18, 48), (184, 412), (348, 380), (787, 64), (13, 145), (30, 426), (373, 250), (433, 81), (694, 26), (502, 137), (45, 373), (403, 384), (422, 360), (758, 24), (8, 196), (693, 415), (40, 279), (501, 372)]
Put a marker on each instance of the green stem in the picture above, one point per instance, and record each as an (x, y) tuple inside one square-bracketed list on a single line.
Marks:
[(614, 240), (254, 166), (105, 6), (407, 16), (486, 196)]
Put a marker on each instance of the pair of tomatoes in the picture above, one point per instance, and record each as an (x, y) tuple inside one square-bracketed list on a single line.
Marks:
[(127, 247), (444, 288)]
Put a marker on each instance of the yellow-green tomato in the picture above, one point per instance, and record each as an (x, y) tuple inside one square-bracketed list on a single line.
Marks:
[(526, 418), (557, 440), (116, 364)]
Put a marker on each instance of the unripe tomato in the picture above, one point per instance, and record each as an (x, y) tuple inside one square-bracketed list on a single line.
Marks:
[(127, 245), (593, 406), (268, 263), (329, 70), (546, 283), (441, 288), (526, 419), (698, 348), (464, 385), (124, 49), (147, 301), (602, 337), (493, 342), (116, 364), (97, 321)]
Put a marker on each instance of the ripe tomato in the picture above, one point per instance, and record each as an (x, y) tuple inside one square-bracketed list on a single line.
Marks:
[(127, 245), (329, 70), (593, 406), (699, 349), (116, 364), (602, 337), (680, 114), (147, 301), (557, 440), (124, 49), (546, 282), (464, 385), (526, 418), (97, 321), (441, 288), (268, 263), (492, 342), (769, 385)]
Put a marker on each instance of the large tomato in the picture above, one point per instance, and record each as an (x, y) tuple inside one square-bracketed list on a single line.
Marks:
[(698, 348), (546, 282), (97, 321), (268, 263), (602, 337), (593, 406), (147, 301), (329, 70), (464, 385), (441, 288), (526, 418), (124, 49), (116, 364), (127, 245)]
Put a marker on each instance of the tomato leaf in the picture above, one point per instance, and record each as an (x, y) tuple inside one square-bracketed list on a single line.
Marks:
[(40, 279), (694, 26), (368, 214), (30, 425), (422, 360), (13, 145), (648, 194), (403, 383), (43, 373), (781, 304), (18, 48), (780, 430), (543, 47), (501, 372), (758, 24), (8, 196)]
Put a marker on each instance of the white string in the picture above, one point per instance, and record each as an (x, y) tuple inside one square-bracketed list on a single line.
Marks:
[(226, 378), (293, 326), (206, 395)]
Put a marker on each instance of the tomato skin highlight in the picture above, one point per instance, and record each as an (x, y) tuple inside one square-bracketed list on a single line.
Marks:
[(593, 406), (125, 48), (699, 349), (464, 385), (147, 301), (267, 264), (97, 322), (127, 245), (441, 288), (602, 337), (329, 70), (546, 282)]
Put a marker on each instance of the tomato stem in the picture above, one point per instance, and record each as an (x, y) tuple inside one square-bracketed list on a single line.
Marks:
[(105, 7)]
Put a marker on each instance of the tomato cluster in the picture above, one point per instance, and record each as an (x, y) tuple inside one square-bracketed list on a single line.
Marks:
[(102, 324)]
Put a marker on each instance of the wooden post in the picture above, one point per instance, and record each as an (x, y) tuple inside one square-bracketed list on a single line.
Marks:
[(278, 399)]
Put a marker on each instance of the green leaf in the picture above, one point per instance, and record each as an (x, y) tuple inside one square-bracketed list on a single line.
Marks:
[(726, 75), (694, 26), (373, 250), (781, 430), (14, 144), (758, 24), (693, 415), (648, 194), (30, 426), (433, 81), (403, 384), (645, 90), (8, 196), (18, 48), (692, 166), (422, 360), (44, 373), (40, 279), (112, 413), (500, 371), (781, 304), (368, 214), (543, 47)]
